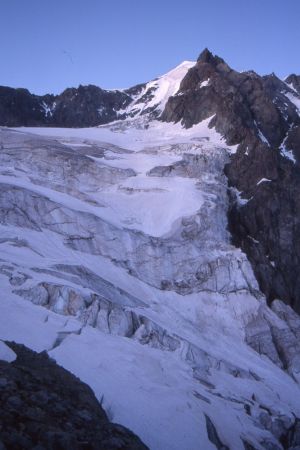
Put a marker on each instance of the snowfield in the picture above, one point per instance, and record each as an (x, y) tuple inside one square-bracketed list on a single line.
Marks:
[(135, 134), (116, 259)]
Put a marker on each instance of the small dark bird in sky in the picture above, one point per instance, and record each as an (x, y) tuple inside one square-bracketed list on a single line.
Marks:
[(68, 55)]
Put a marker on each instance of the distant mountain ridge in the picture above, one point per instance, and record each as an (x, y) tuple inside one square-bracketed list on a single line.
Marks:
[(84, 106), (88, 106)]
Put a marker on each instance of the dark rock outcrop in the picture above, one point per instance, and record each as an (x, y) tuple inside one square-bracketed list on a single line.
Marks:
[(84, 106), (267, 226), (87, 106), (18, 107), (46, 407)]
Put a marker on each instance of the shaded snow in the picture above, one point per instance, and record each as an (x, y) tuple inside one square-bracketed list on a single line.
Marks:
[(48, 109), (204, 83), (290, 86), (139, 134), (159, 90), (287, 154), (295, 100), (262, 180), (238, 197), (6, 353), (261, 135)]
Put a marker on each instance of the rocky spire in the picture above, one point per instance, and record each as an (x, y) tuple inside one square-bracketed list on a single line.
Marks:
[(207, 57)]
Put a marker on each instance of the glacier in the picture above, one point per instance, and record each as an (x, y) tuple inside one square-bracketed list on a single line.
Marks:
[(116, 259)]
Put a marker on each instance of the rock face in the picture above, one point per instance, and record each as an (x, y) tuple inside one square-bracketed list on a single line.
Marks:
[(267, 226), (82, 107), (43, 405), (261, 114), (86, 106), (244, 105), (18, 107)]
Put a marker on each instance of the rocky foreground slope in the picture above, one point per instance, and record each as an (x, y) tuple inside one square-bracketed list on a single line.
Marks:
[(153, 260), (42, 405)]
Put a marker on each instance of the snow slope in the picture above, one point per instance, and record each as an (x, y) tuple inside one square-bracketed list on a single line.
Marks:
[(156, 93), (295, 100), (136, 134)]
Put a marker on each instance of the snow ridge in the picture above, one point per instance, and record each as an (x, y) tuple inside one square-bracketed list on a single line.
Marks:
[(156, 93)]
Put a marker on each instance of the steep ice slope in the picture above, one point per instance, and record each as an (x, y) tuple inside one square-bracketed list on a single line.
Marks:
[(155, 94), (117, 260)]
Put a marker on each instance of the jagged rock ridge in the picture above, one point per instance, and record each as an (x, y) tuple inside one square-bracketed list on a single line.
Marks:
[(84, 106)]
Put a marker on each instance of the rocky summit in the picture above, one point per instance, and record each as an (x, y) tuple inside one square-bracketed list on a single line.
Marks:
[(149, 244)]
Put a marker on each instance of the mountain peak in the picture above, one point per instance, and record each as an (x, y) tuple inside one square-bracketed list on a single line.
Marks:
[(207, 57)]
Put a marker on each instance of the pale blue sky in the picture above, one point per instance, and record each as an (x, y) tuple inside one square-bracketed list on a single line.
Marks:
[(48, 45)]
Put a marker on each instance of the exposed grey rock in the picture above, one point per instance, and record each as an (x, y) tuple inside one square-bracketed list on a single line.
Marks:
[(286, 313), (277, 338), (37, 295), (18, 279), (259, 337)]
